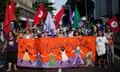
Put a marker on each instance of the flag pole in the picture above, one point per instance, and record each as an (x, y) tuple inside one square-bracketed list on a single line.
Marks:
[(86, 9)]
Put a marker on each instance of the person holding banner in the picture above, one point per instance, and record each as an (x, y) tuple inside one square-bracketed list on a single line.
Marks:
[(93, 31), (101, 42), (11, 45), (110, 46), (28, 34), (61, 34), (46, 34), (76, 33), (20, 34), (35, 33)]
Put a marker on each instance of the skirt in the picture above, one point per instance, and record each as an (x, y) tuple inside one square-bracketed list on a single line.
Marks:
[(12, 57)]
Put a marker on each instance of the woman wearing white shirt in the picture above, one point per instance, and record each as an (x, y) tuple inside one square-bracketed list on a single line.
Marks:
[(28, 34), (101, 41)]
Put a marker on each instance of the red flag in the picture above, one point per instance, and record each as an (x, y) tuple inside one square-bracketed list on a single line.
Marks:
[(12, 5), (40, 14), (11, 11), (113, 24), (9, 16), (58, 17), (27, 23), (7, 26)]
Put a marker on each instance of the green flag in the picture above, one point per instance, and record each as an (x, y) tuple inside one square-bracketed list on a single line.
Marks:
[(90, 25), (76, 18), (31, 23)]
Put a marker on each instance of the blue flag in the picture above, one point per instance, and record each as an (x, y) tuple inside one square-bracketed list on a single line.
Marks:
[(12, 26)]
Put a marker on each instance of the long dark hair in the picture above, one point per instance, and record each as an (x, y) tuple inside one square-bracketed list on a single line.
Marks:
[(74, 33), (101, 32), (12, 33)]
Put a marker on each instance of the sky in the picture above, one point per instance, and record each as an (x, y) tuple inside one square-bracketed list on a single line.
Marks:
[(59, 3)]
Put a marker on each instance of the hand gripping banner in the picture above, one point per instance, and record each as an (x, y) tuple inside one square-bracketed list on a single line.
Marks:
[(57, 52)]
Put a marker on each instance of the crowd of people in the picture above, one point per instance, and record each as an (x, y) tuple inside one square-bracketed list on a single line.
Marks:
[(103, 33)]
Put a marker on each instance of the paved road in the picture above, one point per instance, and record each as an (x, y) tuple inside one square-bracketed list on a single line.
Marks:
[(111, 68)]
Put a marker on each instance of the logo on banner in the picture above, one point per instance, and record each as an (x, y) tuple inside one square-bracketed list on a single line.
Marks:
[(114, 24), (40, 14)]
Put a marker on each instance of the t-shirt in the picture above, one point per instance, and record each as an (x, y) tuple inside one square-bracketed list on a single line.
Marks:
[(101, 40), (11, 44), (27, 36), (100, 47)]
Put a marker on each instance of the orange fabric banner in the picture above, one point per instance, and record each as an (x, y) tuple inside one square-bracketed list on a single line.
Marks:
[(57, 52)]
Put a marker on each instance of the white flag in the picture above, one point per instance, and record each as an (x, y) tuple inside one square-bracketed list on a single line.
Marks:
[(49, 23)]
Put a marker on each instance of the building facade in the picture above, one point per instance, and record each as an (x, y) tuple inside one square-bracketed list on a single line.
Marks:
[(25, 7), (47, 1), (26, 2), (105, 8)]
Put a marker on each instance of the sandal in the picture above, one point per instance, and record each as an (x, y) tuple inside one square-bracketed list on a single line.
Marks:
[(8, 70), (15, 69)]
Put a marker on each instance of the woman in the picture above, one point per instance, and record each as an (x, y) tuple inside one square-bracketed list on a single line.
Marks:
[(20, 34), (35, 34), (110, 47), (93, 31), (61, 34), (46, 34), (101, 41), (11, 45), (75, 33), (28, 34)]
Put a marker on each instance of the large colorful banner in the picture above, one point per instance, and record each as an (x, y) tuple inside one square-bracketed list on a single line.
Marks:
[(56, 52)]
